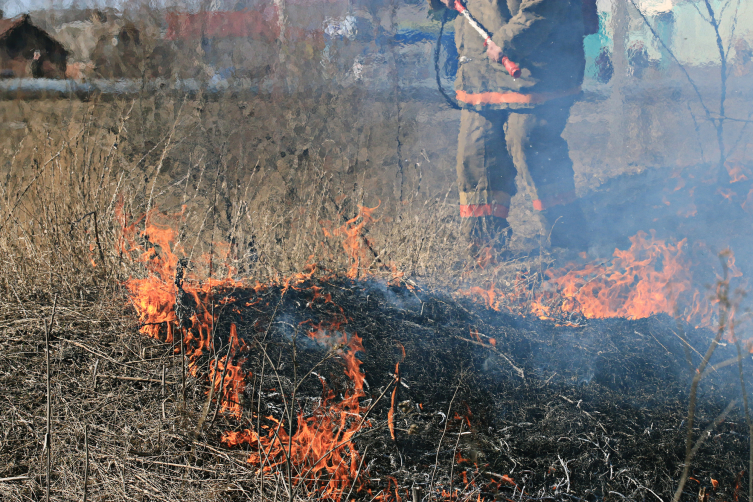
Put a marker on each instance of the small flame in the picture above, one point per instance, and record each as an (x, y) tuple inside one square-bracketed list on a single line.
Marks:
[(651, 277), (726, 193), (228, 378), (356, 245), (391, 412), (321, 450), (735, 170)]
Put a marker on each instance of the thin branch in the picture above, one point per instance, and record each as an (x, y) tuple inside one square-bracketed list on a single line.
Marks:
[(47, 436), (13, 478), (697, 131), (136, 379), (732, 29), (746, 409), (698, 10), (724, 7), (23, 193), (723, 92), (86, 461), (358, 472), (731, 119), (724, 316), (713, 425), (454, 453), (96, 353), (501, 354), (444, 432)]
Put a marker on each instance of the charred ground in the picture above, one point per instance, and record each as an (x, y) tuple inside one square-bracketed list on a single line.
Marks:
[(591, 411)]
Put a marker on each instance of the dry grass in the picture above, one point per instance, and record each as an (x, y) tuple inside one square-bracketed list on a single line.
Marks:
[(63, 177)]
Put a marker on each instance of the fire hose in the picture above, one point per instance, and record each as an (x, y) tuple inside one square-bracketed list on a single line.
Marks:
[(511, 67), (460, 7)]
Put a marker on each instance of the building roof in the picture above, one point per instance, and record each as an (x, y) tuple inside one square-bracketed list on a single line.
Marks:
[(8, 25)]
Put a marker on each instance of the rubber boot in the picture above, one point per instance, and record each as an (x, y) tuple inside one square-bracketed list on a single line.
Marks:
[(565, 226)]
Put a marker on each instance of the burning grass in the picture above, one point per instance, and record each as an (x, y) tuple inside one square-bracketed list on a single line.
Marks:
[(362, 359), (651, 277), (319, 451)]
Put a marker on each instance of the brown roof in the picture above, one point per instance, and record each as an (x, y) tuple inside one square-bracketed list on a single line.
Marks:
[(8, 25)]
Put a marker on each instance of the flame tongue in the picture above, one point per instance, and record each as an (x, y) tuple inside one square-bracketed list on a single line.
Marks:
[(651, 277), (154, 296), (319, 447), (647, 279), (228, 378), (321, 450)]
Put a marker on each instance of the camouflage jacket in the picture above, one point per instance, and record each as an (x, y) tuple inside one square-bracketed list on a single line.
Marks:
[(544, 37)]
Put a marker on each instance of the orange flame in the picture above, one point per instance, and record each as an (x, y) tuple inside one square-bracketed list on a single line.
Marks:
[(154, 297), (228, 378), (726, 193), (651, 277), (391, 412), (321, 450), (356, 245), (735, 171), (646, 279)]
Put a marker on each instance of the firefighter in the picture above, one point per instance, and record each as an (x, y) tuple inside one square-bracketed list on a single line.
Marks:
[(35, 65), (511, 126)]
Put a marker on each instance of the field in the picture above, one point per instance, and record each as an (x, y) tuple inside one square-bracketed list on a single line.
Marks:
[(270, 196)]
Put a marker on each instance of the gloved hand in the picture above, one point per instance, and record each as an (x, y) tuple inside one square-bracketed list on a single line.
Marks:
[(493, 52)]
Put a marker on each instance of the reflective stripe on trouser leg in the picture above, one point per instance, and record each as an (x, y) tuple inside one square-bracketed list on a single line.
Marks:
[(541, 153), (486, 174), (484, 203)]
